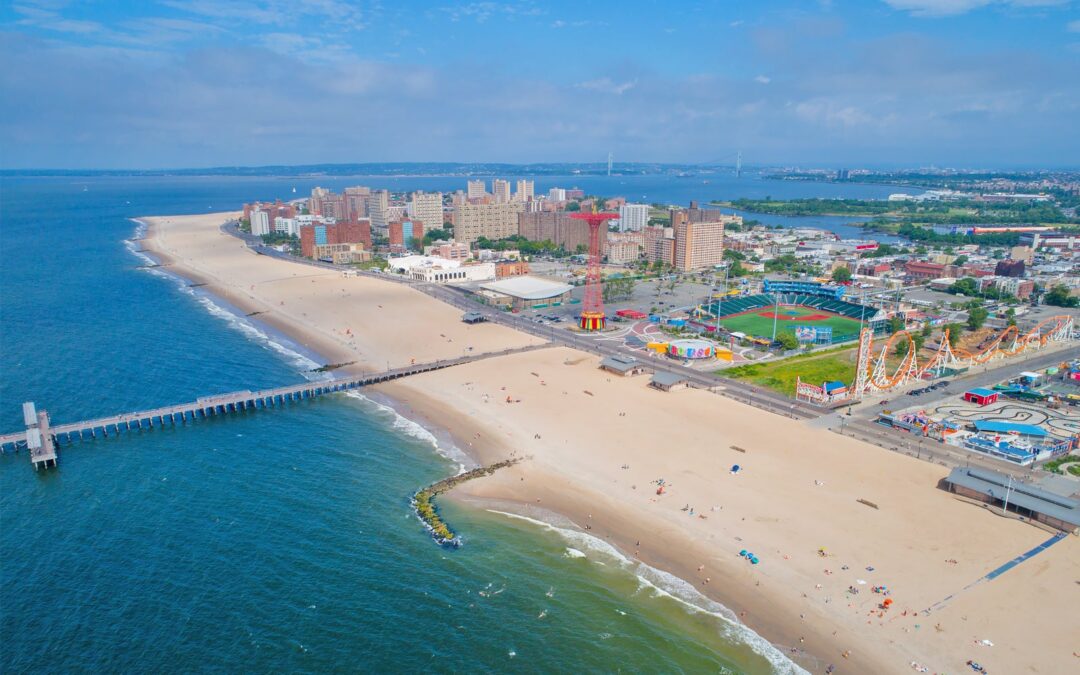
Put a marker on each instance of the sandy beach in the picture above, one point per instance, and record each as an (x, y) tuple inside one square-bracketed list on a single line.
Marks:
[(598, 445)]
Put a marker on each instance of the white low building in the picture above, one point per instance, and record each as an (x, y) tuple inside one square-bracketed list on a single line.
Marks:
[(451, 275), (440, 270)]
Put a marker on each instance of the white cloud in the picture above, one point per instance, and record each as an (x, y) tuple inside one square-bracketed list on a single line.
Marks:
[(1073, 26), (51, 20), (937, 8), (607, 85), (762, 79)]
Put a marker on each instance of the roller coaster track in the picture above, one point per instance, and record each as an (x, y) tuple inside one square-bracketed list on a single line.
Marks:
[(872, 373)]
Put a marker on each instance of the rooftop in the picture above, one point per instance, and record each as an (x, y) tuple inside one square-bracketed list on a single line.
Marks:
[(528, 287), (666, 379), (620, 364), (994, 484), (993, 426)]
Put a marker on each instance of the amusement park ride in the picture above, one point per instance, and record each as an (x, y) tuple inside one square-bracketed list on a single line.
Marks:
[(592, 315), (872, 373)]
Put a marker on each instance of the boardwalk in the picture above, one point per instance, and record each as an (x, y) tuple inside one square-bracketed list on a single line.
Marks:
[(42, 439)]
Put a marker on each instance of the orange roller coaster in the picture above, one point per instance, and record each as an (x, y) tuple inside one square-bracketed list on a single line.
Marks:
[(872, 374)]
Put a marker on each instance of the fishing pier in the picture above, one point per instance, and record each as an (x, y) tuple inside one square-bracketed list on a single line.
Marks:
[(43, 439)]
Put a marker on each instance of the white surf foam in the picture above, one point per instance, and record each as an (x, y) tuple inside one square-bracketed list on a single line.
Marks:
[(304, 364), (663, 584), (415, 430)]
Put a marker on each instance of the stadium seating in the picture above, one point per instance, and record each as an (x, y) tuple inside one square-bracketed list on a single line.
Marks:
[(739, 304)]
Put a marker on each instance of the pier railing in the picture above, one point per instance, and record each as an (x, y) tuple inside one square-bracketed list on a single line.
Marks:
[(42, 439)]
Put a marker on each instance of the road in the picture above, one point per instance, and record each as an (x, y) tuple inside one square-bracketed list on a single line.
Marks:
[(458, 297), (859, 424)]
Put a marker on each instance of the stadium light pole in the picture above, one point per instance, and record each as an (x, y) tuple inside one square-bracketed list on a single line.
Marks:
[(776, 310), (720, 300)]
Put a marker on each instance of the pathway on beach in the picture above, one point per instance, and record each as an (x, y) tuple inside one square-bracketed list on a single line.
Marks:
[(998, 571)]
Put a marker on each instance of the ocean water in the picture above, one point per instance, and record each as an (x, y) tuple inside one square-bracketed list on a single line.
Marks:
[(278, 540)]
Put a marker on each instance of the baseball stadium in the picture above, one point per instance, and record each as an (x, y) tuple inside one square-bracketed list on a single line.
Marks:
[(815, 312)]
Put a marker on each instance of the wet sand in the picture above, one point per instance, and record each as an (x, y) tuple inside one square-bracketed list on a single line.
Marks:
[(797, 492)]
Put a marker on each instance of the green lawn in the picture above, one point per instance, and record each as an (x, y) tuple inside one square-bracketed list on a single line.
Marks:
[(780, 375), (755, 324)]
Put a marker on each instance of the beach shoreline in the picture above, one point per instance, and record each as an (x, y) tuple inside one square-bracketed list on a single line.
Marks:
[(438, 419), (465, 406)]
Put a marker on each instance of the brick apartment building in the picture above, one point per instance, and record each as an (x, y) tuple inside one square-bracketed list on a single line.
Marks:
[(556, 226), (345, 232)]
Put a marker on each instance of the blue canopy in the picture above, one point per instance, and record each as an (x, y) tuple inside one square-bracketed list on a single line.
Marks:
[(1009, 427)]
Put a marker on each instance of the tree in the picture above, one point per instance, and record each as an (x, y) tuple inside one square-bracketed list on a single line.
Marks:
[(896, 323), (955, 331), (788, 340), (1010, 316), (737, 270), (901, 348), (618, 288), (976, 317), (573, 206), (960, 260), (1058, 296), (841, 275), (437, 235), (966, 286)]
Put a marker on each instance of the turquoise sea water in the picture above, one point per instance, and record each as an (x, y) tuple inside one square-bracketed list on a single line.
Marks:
[(276, 540)]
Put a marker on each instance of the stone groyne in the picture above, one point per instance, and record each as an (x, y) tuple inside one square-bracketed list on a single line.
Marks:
[(424, 501)]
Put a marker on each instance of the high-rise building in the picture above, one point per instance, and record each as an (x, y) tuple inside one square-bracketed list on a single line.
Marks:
[(356, 202), (524, 191), (557, 227), (286, 226), (557, 195), (698, 245), (379, 212), (427, 208), (624, 247), (476, 189), (633, 217), (403, 232), (659, 244), (317, 195), (493, 221), (260, 223), (501, 190)]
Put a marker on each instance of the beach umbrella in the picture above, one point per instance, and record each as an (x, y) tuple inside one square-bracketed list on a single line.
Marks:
[(735, 468)]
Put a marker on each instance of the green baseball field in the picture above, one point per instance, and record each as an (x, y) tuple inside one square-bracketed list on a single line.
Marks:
[(759, 321)]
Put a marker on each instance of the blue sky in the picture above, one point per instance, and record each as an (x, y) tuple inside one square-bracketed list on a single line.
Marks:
[(193, 83)]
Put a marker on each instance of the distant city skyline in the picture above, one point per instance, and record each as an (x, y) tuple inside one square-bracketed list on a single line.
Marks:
[(200, 83)]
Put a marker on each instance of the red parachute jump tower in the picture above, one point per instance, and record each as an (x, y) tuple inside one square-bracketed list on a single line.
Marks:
[(592, 315)]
